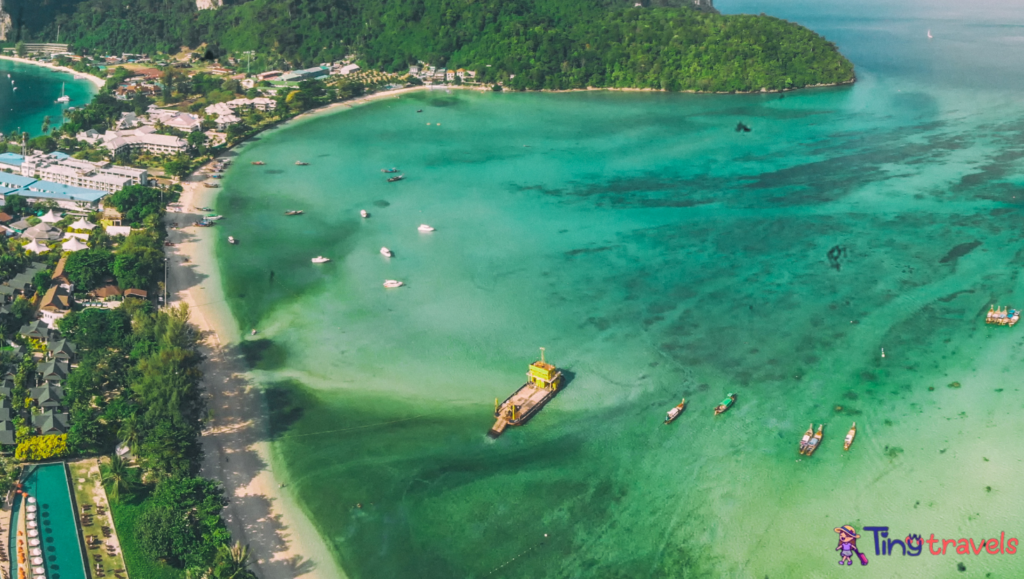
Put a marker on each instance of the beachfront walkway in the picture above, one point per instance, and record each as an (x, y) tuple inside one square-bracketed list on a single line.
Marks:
[(95, 521)]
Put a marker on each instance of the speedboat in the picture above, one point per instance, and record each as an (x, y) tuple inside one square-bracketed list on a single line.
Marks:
[(214, 217), (398, 178), (675, 412), (425, 228), (391, 170), (232, 240), (258, 163), (363, 213), (301, 163), (806, 438), (725, 404), (320, 259), (814, 442), (385, 252), (393, 283), (849, 437), (293, 212)]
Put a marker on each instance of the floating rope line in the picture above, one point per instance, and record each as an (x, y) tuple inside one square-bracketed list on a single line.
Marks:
[(507, 563)]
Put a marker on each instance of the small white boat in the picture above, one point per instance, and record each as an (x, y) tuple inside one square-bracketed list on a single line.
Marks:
[(320, 259), (63, 97), (231, 240), (425, 228), (929, 34), (393, 283), (363, 213), (385, 252)]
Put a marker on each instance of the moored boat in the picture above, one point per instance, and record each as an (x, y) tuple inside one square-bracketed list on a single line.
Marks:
[(849, 437), (396, 178), (320, 259), (425, 228), (814, 442), (392, 283), (363, 213), (301, 163), (542, 383), (391, 170), (674, 413), (232, 240), (293, 212), (258, 163), (385, 252), (726, 404), (204, 208), (214, 217), (1002, 316), (806, 438)]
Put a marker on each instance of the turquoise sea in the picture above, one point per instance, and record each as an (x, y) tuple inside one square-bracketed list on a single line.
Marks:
[(36, 97), (656, 253)]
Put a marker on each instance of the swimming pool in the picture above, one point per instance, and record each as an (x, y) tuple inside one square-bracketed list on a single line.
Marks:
[(58, 528)]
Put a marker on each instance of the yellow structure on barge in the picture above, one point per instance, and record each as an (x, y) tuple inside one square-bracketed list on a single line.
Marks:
[(542, 383)]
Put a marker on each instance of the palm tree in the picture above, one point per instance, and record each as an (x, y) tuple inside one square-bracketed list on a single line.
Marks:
[(232, 562), (130, 431), (116, 476)]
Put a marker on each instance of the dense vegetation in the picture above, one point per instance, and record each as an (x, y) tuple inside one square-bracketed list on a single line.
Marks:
[(552, 44)]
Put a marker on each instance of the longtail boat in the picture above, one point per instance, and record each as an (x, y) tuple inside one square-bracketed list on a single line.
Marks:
[(814, 442), (726, 404), (806, 438), (675, 412), (849, 437)]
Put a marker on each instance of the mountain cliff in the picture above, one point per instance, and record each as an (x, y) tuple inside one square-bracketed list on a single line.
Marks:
[(529, 44)]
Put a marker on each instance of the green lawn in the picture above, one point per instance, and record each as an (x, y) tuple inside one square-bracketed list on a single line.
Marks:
[(140, 565)]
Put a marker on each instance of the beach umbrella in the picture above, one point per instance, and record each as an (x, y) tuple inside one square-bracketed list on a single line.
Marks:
[(50, 217), (36, 247), (74, 244)]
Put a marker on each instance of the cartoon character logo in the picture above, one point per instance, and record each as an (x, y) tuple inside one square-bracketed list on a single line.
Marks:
[(848, 546)]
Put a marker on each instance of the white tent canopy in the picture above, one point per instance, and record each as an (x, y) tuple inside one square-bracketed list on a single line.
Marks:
[(82, 224), (36, 247), (50, 217), (74, 244)]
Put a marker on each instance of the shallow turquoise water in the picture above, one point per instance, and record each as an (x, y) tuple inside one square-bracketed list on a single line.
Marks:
[(57, 526), (36, 97), (656, 253)]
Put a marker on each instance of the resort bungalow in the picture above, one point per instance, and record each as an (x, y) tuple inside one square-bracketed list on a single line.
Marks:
[(47, 396), (52, 372), (108, 290), (6, 387), (5, 408), (62, 351), (21, 283), (50, 422), (6, 294), (55, 305), (7, 432), (60, 277), (36, 330), (41, 232), (136, 293)]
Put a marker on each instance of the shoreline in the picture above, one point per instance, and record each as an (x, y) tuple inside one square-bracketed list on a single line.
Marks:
[(282, 539), (95, 80)]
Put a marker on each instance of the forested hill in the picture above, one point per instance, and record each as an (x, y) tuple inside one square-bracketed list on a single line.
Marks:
[(552, 44)]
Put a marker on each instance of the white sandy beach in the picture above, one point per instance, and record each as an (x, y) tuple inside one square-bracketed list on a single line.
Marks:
[(261, 513), (99, 82)]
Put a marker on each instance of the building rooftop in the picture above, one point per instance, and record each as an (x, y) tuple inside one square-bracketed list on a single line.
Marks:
[(50, 190), (11, 159), (17, 181)]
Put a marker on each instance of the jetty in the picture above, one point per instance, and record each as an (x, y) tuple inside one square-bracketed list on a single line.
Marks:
[(1002, 316), (542, 383)]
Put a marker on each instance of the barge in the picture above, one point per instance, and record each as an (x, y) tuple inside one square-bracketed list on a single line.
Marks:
[(542, 383)]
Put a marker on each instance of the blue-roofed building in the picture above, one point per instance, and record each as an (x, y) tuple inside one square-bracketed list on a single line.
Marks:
[(305, 74), (11, 161), (60, 156), (66, 196), (15, 181)]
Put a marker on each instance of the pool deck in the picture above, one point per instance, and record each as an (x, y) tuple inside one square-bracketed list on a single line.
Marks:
[(88, 491)]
